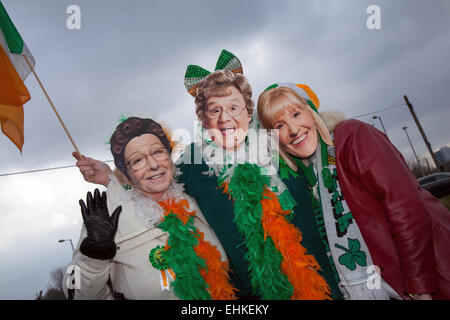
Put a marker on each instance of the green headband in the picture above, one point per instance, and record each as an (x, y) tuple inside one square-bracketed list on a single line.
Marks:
[(195, 74)]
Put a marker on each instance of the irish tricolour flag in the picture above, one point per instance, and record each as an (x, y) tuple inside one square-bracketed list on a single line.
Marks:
[(13, 71)]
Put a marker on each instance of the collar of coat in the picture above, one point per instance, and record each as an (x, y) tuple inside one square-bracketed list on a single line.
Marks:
[(331, 119)]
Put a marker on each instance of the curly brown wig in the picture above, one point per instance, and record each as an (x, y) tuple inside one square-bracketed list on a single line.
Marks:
[(216, 85)]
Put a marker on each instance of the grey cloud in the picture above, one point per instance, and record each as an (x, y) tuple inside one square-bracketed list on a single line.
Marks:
[(129, 58)]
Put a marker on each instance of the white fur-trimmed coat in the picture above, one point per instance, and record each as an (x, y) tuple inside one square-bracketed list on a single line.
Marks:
[(131, 271)]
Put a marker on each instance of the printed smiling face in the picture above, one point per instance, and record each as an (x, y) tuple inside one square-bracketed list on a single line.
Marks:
[(297, 131), (148, 165), (227, 119)]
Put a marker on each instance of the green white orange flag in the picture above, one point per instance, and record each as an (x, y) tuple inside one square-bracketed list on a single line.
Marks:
[(13, 71)]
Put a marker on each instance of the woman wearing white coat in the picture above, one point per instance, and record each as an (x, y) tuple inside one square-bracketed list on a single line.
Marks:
[(161, 246)]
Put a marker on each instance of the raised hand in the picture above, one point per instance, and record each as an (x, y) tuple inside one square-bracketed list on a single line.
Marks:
[(94, 171), (100, 227)]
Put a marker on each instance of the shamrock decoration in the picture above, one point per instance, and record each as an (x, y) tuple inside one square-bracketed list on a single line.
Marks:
[(157, 258), (353, 254)]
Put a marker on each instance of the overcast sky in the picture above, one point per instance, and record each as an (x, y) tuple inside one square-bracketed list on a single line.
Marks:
[(129, 58)]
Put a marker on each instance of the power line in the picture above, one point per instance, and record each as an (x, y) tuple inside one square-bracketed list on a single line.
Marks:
[(71, 166), (40, 170), (384, 109)]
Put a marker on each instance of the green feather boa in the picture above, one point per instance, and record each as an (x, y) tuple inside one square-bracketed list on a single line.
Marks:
[(247, 186), (189, 284)]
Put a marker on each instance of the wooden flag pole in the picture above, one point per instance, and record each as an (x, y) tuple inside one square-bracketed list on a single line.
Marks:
[(51, 104)]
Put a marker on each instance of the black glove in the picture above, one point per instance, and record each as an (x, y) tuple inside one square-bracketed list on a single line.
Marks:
[(100, 227)]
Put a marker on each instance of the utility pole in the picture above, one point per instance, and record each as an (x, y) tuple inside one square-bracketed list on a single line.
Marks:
[(419, 126)]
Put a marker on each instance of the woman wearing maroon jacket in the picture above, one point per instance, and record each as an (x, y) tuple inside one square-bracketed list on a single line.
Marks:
[(406, 229)]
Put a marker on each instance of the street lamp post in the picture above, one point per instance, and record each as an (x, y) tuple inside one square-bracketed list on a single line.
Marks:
[(63, 240), (378, 117), (428, 165), (417, 159)]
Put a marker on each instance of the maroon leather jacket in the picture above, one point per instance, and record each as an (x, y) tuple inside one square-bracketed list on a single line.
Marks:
[(406, 229)]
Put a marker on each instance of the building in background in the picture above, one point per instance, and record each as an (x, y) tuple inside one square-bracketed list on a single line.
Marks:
[(443, 155)]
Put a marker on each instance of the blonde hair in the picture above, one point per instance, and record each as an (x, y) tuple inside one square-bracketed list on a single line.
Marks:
[(216, 85), (274, 102)]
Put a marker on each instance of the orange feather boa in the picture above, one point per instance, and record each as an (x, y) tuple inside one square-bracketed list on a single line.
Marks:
[(216, 271), (300, 268)]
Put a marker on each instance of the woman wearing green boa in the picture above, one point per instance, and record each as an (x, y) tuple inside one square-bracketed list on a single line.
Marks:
[(248, 209), (225, 110), (371, 211)]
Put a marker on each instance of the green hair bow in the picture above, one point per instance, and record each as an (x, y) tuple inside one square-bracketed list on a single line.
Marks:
[(195, 74)]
